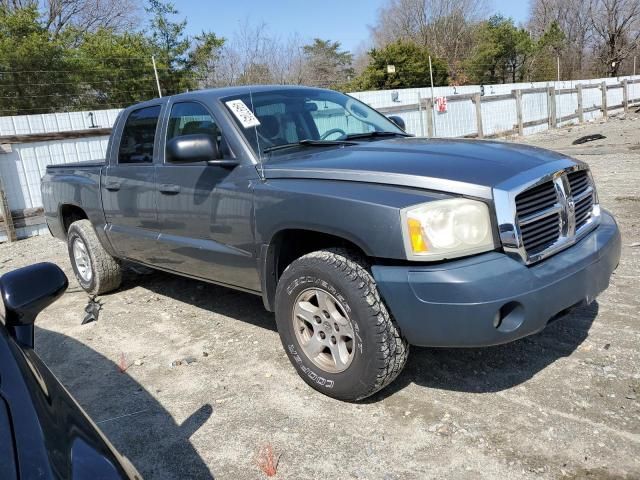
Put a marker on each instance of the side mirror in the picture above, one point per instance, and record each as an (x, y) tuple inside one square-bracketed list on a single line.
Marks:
[(198, 147), (25, 293), (398, 121)]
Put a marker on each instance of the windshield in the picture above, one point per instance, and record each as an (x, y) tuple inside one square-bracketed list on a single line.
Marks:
[(273, 118)]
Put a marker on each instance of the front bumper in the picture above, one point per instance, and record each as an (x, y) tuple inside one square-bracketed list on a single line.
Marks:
[(459, 303)]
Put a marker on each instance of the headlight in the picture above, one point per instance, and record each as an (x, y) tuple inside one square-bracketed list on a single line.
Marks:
[(446, 229)]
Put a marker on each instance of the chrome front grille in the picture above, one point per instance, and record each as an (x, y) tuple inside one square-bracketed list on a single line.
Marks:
[(578, 181), (583, 196), (538, 217), (553, 214)]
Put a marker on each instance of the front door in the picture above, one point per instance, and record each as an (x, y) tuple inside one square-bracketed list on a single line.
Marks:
[(205, 210), (129, 189)]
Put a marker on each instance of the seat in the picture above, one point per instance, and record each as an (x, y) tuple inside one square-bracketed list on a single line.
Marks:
[(205, 127), (271, 130)]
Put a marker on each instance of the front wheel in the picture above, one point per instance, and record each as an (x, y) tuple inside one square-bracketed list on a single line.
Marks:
[(335, 328)]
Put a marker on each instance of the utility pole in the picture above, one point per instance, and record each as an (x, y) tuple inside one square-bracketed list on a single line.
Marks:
[(155, 71), (634, 65), (558, 60), (432, 99)]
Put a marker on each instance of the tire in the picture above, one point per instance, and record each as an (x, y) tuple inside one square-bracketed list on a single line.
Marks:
[(348, 370), (97, 272)]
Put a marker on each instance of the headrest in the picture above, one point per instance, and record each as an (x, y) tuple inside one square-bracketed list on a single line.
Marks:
[(269, 125), (191, 128)]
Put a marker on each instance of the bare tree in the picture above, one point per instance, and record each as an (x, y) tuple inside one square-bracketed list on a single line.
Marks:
[(289, 61), (361, 58), (85, 15), (247, 57), (16, 4), (616, 26), (445, 27), (254, 55), (575, 22)]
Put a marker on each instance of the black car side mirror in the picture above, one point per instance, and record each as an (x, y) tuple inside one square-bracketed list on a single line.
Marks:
[(198, 147), (399, 121), (25, 293)]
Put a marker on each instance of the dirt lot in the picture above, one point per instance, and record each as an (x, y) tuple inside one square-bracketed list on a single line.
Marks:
[(562, 404)]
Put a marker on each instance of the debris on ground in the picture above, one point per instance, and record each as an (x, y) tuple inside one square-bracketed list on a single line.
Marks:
[(588, 138), (122, 363), (268, 461), (92, 311), (184, 361)]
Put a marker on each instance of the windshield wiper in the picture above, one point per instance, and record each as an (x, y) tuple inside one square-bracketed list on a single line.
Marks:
[(353, 136), (308, 143)]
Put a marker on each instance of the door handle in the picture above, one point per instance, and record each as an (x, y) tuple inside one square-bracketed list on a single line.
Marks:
[(169, 189), (112, 186)]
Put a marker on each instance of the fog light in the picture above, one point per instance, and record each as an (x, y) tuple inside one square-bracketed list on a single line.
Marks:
[(510, 317), (497, 320)]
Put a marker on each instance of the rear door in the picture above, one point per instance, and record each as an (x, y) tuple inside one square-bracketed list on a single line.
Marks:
[(205, 210), (129, 188)]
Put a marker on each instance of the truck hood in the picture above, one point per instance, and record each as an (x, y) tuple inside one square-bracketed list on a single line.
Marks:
[(468, 167)]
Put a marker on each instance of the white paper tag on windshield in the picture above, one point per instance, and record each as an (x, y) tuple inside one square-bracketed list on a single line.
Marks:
[(242, 113)]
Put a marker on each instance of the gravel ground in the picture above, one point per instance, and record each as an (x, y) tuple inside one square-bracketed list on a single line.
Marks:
[(561, 404)]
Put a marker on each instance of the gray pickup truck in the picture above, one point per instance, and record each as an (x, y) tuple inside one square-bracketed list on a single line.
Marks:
[(362, 239)]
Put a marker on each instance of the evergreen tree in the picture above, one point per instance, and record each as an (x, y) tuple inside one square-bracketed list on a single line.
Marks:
[(502, 52), (411, 63), (327, 65)]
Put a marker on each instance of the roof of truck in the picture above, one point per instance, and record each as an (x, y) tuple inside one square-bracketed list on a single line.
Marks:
[(244, 89), (217, 93)]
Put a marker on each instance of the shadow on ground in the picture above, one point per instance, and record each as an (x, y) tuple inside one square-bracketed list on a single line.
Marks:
[(133, 420), (224, 301), (474, 370), (492, 369)]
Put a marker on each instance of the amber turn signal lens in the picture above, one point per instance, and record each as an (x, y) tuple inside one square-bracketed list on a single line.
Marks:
[(415, 232)]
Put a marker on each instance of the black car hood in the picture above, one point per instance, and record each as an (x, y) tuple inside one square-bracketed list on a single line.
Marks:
[(471, 167)]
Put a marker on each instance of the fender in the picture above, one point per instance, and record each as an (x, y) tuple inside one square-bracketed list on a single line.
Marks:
[(365, 215)]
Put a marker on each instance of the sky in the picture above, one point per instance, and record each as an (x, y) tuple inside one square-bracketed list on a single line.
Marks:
[(343, 20)]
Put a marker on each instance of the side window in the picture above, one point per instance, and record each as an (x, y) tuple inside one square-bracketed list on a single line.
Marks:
[(138, 136), (189, 118)]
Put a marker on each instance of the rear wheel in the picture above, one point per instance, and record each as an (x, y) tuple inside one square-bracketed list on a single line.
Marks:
[(335, 328), (96, 271)]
